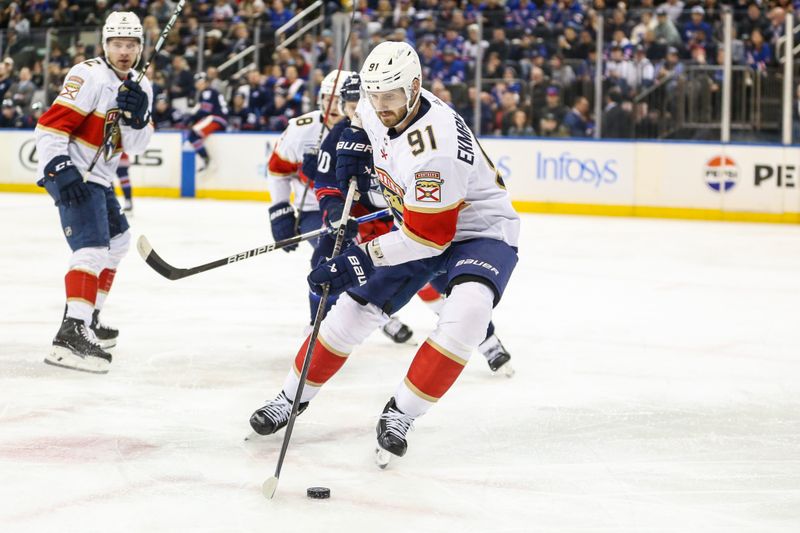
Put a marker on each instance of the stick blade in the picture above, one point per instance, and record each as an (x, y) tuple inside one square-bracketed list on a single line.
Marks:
[(144, 247), (269, 487)]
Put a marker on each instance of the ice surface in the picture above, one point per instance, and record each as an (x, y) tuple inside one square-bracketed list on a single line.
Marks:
[(657, 388)]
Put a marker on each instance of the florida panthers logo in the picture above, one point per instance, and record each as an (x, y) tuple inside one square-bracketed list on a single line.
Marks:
[(428, 186), (392, 192), (114, 143)]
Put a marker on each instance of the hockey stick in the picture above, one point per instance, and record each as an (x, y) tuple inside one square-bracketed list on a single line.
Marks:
[(328, 109), (171, 272), (271, 484), (115, 124)]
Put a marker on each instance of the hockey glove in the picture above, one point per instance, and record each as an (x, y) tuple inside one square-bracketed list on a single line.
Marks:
[(281, 218), (354, 159), (310, 165), (133, 104), (332, 210), (350, 268), (71, 187)]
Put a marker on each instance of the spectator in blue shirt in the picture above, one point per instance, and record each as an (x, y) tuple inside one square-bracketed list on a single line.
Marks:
[(450, 70), (696, 24), (759, 53), (279, 15), (577, 120)]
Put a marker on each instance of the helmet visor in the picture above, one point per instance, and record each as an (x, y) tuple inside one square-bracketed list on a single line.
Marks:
[(387, 100)]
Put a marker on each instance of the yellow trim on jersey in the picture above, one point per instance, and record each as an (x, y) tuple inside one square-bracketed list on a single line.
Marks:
[(424, 242), (52, 130), (445, 352), (418, 392), (81, 112)]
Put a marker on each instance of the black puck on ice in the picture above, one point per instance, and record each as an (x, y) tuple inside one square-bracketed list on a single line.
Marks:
[(318, 493)]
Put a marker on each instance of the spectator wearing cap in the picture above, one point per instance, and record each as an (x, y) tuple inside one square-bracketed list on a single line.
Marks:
[(553, 106), (577, 120), (474, 43), (549, 126), (671, 66), (216, 50), (697, 24), (665, 31), (29, 120), (10, 117), (449, 70)]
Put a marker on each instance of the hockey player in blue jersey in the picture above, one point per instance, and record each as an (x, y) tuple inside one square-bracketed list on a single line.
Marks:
[(210, 114)]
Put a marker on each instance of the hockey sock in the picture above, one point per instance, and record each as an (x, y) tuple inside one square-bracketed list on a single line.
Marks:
[(104, 282), (489, 331), (81, 288), (127, 189), (325, 362), (201, 151)]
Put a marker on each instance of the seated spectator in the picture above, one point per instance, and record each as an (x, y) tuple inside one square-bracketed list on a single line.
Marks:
[(619, 71), (216, 50), (553, 106), (568, 44), (617, 119), (561, 74), (241, 117), (505, 113), (222, 10), (511, 80), (697, 24), (6, 69), (577, 120), (519, 125), (646, 23), (450, 70), (428, 61), (549, 126), (454, 40), (21, 91), (758, 52), (295, 88), (165, 117), (181, 83), (665, 31), (671, 66), (10, 117), (499, 44), (644, 70)]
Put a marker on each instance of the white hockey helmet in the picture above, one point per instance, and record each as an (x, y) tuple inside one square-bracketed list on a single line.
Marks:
[(123, 24), (330, 85), (392, 65)]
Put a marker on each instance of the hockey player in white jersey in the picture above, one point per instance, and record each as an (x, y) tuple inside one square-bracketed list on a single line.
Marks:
[(456, 218), (298, 142), (67, 138)]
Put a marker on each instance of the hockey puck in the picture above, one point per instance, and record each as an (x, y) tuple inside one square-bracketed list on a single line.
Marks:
[(318, 493)]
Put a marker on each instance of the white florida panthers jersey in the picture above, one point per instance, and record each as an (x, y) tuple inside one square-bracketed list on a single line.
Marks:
[(79, 118), (439, 183), (301, 136)]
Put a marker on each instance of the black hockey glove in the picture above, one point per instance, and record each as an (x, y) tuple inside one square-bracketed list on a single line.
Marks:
[(310, 165), (133, 104), (71, 187), (354, 159), (350, 268), (281, 218)]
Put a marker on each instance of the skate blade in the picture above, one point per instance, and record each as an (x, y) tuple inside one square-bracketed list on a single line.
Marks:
[(506, 370), (64, 358), (106, 344), (252, 436), (269, 487), (382, 458)]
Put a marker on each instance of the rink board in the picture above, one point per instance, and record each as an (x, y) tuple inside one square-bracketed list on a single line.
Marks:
[(652, 179)]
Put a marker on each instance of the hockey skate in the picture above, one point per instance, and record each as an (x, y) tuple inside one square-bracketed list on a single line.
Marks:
[(106, 336), (127, 207), (497, 356), (76, 347), (392, 428), (274, 415), (397, 331)]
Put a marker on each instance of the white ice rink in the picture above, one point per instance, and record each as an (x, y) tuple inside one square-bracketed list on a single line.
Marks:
[(657, 388)]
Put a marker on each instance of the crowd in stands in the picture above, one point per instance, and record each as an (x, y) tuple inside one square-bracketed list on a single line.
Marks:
[(537, 58)]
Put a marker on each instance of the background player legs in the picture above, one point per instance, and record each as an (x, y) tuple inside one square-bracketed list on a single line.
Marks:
[(123, 174)]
